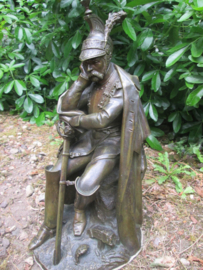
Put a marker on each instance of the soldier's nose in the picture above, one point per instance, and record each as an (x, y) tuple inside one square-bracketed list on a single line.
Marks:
[(89, 68)]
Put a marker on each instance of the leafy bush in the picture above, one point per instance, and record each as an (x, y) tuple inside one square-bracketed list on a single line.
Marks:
[(159, 41)]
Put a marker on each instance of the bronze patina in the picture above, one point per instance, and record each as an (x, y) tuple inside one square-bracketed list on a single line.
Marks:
[(95, 186)]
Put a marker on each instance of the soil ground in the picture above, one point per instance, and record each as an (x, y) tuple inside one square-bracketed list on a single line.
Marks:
[(172, 227)]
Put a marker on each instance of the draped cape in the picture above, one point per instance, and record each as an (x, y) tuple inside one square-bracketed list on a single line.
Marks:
[(135, 130)]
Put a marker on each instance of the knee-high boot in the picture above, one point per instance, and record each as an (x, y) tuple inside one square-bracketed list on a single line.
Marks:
[(48, 228)]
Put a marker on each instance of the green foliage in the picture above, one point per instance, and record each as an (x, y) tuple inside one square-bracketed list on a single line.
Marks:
[(159, 41), (171, 172)]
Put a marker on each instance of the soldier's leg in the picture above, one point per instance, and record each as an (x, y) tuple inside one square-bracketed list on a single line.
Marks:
[(86, 186), (52, 173)]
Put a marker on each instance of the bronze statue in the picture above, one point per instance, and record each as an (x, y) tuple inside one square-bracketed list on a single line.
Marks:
[(106, 127)]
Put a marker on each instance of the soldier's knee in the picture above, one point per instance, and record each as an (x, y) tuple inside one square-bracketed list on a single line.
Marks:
[(85, 186)]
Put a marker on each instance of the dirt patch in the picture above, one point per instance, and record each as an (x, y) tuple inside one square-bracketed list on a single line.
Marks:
[(172, 226)]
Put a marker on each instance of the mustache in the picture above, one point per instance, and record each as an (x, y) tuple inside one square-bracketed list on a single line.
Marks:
[(97, 74)]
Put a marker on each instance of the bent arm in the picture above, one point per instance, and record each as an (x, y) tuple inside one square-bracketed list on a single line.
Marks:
[(104, 118), (69, 100)]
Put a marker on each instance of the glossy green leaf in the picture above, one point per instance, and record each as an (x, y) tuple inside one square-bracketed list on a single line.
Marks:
[(16, 55), (75, 12), (28, 105), (198, 60), (8, 87), (40, 119), (156, 81), (1, 73), (28, 66), (18, 65), (128, 28), (65, 3), (148, 75), (141, 90), (169, 74), (19, 33), (189, 85), (177, 123), (19, 86), (139, 70), (59, 89), (154, 143), (157, 132), (32, 120), (37, 98), (173, 58), (19, 102), (195, 96), (198, 3), (7, 19), (147, 37), (34, 81), (67, 48), (153, 112), (36, 111), (172, 116), (194, 79), (177, 48), (186, 16), (146, 108), (27, 35), (55, 49), (197, 47), (132, 57), (76, 40)]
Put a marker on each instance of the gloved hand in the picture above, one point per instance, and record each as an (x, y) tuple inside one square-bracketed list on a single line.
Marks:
[(75, 121)]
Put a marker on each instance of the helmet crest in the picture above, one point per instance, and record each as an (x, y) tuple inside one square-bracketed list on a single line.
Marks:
[(98, 42)]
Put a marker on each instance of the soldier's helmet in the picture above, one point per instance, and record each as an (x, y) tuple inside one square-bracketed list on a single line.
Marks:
[(95, 45), (98, 42)]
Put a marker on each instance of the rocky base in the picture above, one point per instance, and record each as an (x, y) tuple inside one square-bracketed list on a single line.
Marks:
[(97, 248)]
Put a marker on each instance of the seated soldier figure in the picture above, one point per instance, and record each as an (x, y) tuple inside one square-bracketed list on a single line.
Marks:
[(114, 128)]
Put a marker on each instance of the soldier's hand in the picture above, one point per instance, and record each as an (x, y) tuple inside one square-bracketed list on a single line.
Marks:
[(75, 121)]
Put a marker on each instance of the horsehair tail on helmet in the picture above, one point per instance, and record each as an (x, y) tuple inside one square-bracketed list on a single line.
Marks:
[(112, 20)]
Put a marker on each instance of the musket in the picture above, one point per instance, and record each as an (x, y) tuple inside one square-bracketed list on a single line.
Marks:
[(67, 135)]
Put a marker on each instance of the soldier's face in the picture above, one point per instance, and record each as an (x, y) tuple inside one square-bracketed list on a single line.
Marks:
[(96, 67)]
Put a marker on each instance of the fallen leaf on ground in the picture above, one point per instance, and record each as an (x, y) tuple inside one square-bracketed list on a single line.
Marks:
[(34, 173), (195, 259), (193, 219), (199, 191)]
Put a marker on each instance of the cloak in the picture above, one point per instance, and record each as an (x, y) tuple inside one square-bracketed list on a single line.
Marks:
[(135, 130)]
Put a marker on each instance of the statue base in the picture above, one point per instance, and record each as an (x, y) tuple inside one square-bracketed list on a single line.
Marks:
[(97, 248)]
